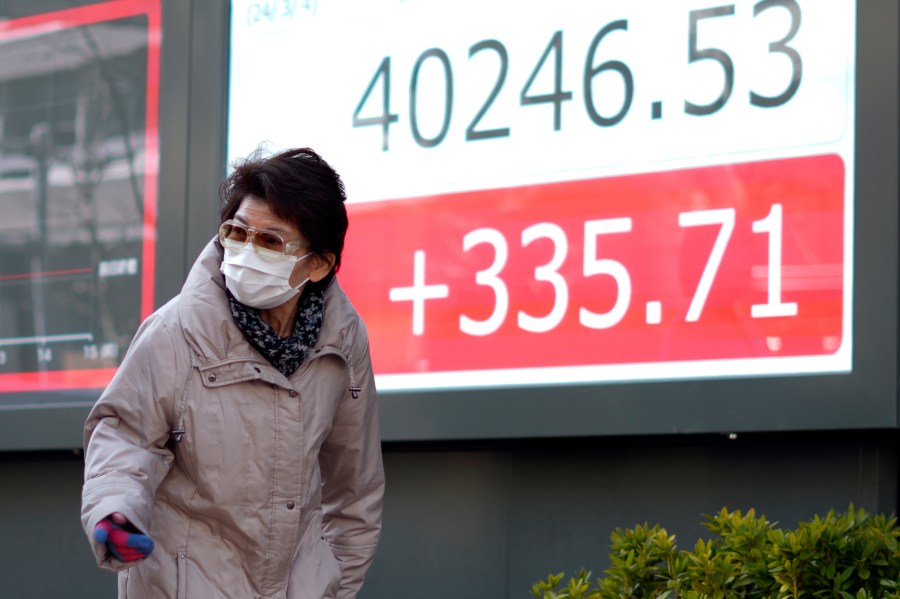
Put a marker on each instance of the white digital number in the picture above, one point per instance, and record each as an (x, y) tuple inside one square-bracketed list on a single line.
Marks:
[(773, 225), (725, 218), (488, 277), (44, 354), (604, 266), (549, 273)]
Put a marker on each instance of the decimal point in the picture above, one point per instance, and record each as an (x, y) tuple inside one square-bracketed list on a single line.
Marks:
[(654, 312), (656, 110)]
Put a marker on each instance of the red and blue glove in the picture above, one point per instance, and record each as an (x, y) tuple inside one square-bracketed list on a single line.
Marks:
[(123, 541)]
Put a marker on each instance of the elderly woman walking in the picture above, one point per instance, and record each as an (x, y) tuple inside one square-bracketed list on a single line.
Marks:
[(236, 453)]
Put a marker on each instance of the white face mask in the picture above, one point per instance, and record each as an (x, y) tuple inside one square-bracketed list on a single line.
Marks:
[(259, 283)]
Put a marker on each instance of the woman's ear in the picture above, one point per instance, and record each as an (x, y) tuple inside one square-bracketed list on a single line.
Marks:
[(321, 266)]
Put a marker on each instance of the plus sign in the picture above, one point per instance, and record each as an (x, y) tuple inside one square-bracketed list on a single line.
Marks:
[(419, 292)]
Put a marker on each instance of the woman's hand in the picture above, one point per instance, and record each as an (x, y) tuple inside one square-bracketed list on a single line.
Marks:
[(122, 539)]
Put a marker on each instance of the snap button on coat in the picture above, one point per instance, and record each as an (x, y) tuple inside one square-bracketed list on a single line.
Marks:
[(211, 378), (290, 505)]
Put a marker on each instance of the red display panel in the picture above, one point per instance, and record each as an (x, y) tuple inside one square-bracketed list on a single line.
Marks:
[(77, 269), (666, 274)]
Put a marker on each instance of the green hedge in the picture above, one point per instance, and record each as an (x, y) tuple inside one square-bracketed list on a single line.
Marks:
[(851, 555)]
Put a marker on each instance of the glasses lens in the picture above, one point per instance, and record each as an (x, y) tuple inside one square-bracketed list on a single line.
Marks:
[(271, 242), (233, 232)]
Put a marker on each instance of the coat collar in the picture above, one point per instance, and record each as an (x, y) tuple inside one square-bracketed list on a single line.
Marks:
[(210, 328)]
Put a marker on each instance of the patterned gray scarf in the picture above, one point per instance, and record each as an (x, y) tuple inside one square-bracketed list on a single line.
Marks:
[(284, 353)]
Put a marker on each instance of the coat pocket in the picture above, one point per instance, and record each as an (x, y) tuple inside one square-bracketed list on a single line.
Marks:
[(181, 566)]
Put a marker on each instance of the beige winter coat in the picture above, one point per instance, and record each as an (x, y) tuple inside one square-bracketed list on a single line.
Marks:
[(275, 488)]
